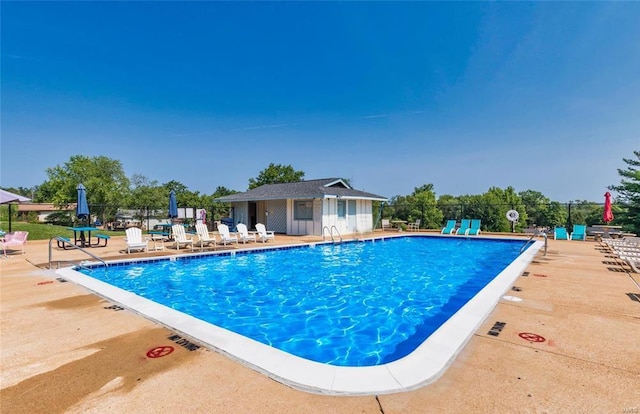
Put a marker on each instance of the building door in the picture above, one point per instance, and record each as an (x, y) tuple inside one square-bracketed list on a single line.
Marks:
[(351, 216), (253, 215)]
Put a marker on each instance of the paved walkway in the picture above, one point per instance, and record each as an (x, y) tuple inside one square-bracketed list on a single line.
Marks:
[(65, 350)]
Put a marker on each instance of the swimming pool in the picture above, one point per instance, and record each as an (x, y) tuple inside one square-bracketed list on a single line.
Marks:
[(315, 316)]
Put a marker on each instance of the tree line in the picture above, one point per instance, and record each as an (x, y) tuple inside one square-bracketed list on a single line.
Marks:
[(109, 189)]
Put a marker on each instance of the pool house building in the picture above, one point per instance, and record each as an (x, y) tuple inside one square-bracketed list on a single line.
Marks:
[(305, 207)]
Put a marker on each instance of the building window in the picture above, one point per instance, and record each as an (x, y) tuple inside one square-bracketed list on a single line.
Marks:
[(342, 209), (302, 209)]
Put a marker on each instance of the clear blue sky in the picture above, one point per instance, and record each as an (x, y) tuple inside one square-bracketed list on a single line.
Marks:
[(464, 95)]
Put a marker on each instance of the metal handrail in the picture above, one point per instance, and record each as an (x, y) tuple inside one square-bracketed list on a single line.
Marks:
[(67, 242), (537, 233), (331, 233)]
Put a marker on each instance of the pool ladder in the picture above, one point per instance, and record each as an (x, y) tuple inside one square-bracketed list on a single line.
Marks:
[(537, 233), (67, 242), (330, 230)]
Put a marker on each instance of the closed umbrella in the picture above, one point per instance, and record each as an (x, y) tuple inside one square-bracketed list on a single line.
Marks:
[(7, 197), (607, 216), (82, 209), (173, 205)]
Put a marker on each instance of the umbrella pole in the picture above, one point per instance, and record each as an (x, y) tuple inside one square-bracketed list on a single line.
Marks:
[(9, 218)]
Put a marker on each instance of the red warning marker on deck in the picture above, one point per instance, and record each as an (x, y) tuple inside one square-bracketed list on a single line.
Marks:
[(160, 351), (45, 282), (531, 337), (539, 275)]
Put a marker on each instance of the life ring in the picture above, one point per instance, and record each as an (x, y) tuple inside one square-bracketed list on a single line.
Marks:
[(512, 215)]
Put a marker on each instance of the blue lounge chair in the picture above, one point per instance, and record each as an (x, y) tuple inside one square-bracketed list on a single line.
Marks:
[(449, 228), (474, 230), (464, 226), (560, 233), (579, 232)]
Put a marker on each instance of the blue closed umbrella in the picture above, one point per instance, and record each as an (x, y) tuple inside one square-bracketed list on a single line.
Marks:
[(82, 209), (173, 205)]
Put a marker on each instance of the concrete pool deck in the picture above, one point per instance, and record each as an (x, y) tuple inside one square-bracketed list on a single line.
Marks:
[(66, 350)]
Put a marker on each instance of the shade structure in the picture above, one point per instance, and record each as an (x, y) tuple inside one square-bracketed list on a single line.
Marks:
[(173, 205), (607, 215), (7, 197), (82, 208)]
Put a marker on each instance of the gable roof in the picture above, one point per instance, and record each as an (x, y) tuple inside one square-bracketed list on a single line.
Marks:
[(321, 188)]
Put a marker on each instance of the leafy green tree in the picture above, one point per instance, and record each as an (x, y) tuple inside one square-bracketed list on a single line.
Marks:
[(147, 197), (629, 193), (450, 207), (103, 177), (220, 210), (275, 174), (421, 204)]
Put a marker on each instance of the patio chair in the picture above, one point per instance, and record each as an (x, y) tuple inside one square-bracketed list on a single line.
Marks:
[(465, 224), (474, 230), (264, 235), (204, 237), (560, 233), (415, 226), (244, 234), (579, 232), (134, 240), (225, 236), (385, 224), (180, 237), (18, 238), (449, 228)]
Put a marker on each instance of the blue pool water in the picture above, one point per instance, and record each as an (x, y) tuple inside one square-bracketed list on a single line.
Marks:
[(352, 304)]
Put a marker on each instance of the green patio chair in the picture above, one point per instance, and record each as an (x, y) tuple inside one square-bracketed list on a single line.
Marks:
[(579, 232), (449, 228), (560, 233), (474, 230), (465, 224)]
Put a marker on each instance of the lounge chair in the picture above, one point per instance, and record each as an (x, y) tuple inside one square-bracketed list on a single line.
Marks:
[(244, 234), (225, 236), (449, 228), (415, 226), (579, 232), (18, 238), (560, 233), (385, 224), (474, 230), (180, 237), (204, 237), (263, 234), (465, 224), (134, 240)]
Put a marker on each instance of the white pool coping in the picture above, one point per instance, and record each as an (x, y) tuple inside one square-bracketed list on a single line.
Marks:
[(422, 366)]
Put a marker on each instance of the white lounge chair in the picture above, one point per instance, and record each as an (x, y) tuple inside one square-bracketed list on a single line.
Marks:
[(180, 237), (225, 236), (263, 234), (18, 238), (204, 237), (134, 240), (244, 234), (415, 226)]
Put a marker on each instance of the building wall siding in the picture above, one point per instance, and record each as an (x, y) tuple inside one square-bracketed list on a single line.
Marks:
[(276, 220)]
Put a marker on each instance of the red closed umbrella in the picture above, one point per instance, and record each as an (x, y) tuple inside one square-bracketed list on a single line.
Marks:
[(607, 216)]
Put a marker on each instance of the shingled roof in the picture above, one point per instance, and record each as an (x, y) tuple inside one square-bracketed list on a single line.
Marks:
[(321, 188)]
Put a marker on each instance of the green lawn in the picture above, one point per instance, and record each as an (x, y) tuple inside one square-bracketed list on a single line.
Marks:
[(46, 231)]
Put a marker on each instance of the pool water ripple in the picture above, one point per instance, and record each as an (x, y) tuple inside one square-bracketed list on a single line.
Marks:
[(353, 304)]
